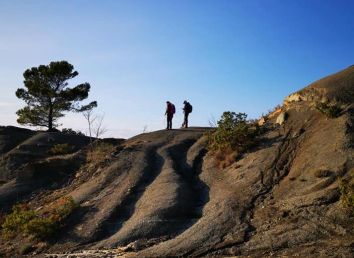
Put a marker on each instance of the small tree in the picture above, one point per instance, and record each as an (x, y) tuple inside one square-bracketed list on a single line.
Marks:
[(47, 94), (95, 125), (232, 133)]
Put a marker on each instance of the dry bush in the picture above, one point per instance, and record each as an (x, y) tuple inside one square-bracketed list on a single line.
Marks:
[(224, 159), (99, 153), (61, 149), (346, 187)]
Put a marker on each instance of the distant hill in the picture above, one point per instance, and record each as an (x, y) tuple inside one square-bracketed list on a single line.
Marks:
[(161, 194)]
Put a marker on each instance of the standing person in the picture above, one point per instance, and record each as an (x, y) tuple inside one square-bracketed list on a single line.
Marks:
[(187, 109), (170, 110)]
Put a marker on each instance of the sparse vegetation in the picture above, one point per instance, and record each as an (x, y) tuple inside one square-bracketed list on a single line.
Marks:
[(330, 110), (225, 158), (99, 152), (41, 225), (346, 187), (233, 136), (70, 131), (61, 149)]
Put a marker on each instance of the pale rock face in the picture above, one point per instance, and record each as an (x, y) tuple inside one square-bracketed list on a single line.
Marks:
[(261, 121), (281, 118), (274, 113), (296, 97)]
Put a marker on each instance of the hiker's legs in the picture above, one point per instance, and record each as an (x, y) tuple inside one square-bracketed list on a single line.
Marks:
[(185, 122), (169, 121)]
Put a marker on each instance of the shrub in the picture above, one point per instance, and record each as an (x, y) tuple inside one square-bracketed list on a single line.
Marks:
[(61, 149), (64, 207), (233, 136), (40, 225), (346, 187), (330, 110), (72, 132), (233, 133), (16, 221)]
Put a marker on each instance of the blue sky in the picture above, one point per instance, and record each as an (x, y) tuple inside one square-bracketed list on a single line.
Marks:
[(243, 56)]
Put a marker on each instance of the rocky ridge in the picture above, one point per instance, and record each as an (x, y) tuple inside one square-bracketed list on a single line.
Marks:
[(161, 194)]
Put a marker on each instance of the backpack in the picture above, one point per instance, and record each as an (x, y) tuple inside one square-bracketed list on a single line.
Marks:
[(173, 108), (189, 108)]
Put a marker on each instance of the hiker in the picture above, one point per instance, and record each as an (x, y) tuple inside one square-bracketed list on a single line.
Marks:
[(170, 110), (187, 109)]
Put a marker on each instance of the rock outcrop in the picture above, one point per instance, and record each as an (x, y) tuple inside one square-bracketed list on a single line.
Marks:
[(337, 88)]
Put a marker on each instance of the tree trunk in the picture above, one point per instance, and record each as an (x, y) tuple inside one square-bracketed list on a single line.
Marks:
[(50, 117)]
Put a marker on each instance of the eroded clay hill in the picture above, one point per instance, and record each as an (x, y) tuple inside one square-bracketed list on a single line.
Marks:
[(161, 194)]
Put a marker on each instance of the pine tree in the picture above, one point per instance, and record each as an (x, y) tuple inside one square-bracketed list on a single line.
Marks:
[(47, 94)]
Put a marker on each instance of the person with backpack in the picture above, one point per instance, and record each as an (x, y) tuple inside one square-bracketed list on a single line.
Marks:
[(187, 109), (170, 111)]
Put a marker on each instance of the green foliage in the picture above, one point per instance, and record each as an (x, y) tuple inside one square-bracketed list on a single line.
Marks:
[(40, 225), (233, 133), (61, 149), (70, 131), (330, 110), (47, 94), (346, 187), (16, 222)]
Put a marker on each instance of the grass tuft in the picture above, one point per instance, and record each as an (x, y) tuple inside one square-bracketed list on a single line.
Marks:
[(61, 149)]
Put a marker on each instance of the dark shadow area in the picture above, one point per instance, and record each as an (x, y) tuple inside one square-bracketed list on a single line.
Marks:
[(34, 177), (196, 193)]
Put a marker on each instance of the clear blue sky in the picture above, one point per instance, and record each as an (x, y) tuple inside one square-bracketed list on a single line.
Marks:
[(244, 56)]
